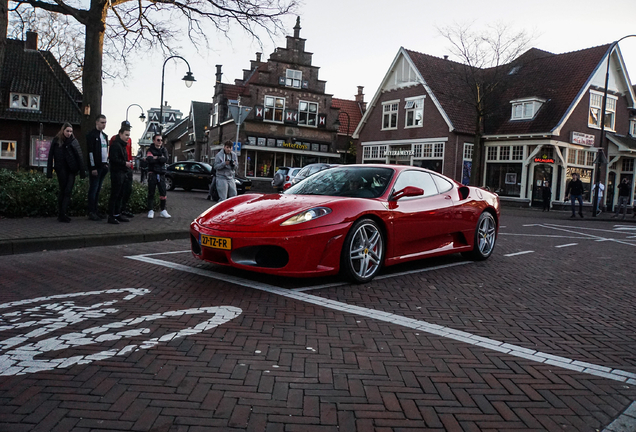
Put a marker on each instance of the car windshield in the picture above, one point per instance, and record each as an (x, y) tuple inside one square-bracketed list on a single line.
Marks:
[(358, 182)]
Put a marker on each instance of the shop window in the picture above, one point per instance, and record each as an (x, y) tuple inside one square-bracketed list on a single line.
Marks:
[(274, 107), (414, 112), (307, 113), (265, 164), (7, 149), (250, 163), (504, 178), (417, 150), (390, 115), (431, 164), (580, 158), (491, 153)]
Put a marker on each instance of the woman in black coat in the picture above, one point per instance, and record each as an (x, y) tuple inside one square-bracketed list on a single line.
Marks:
[(65, 156)]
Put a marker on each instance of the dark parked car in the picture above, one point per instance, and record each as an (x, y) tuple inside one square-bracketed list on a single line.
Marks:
[(310, 170), (197, 175)]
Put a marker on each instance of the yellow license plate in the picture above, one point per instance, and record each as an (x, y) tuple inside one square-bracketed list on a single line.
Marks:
[(216, 242), (248, 187)]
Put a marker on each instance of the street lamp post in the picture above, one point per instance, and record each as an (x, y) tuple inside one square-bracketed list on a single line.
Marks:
[(603, 146), (337, 123), (142, 117), (188, 78)]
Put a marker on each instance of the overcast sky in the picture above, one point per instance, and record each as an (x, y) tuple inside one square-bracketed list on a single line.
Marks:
[(354, 42)]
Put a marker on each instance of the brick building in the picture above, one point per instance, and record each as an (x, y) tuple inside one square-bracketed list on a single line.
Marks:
[(36, 98)]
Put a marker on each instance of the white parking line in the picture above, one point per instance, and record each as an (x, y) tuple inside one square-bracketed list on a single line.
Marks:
[(446, 332), (566, 245), (518, 253)]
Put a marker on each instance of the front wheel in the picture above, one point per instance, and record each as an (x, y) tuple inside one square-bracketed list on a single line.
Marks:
[(485, 237), (169, 183), (363, 251)]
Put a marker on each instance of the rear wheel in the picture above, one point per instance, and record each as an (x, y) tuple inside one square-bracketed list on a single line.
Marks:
[(169, 183), (485, 237), (363, 251)]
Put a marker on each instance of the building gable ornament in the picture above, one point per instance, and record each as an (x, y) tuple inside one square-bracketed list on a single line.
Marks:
[(322, 120), (258, 112)]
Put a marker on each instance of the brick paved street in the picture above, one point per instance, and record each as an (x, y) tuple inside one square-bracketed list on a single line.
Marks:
[(101, 349)]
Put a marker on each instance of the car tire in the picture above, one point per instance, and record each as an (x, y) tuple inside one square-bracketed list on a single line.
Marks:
[(363, 251), (485, 238), (169, 183)]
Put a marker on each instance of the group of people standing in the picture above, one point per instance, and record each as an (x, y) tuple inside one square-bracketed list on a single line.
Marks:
[(574, 192), (65, 156)]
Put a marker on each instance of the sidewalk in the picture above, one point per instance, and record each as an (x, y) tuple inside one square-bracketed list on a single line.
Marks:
[(27, 235)]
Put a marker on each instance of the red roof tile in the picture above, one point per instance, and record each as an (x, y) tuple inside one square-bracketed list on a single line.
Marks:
[(352, 108)]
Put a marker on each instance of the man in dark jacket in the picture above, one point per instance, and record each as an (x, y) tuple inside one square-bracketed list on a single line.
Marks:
[(575, 192), (157, 156), (97, 145), (119, 165), (623, 197)]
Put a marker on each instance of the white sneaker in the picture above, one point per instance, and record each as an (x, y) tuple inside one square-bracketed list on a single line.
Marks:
[(164, 214), (151, 214)]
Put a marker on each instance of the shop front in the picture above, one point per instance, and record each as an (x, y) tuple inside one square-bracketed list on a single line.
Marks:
[(427, 154)]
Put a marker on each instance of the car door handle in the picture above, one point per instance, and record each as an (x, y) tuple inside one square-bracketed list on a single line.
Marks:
[(448, 197)]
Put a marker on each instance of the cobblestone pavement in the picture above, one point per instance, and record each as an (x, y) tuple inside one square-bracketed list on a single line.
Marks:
[(145, 337)]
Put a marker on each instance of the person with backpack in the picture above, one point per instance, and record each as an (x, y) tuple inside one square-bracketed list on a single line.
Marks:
[(65, 156)]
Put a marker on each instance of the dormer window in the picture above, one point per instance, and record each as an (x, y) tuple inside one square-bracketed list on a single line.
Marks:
[(293, 78), (525, 109), (25, 101)]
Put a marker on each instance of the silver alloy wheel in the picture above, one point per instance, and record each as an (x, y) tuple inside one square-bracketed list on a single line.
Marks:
[(365, 252), (169, 185), (486, 235)]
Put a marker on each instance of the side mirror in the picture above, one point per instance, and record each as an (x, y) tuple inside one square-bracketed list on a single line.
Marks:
[(408, 191)]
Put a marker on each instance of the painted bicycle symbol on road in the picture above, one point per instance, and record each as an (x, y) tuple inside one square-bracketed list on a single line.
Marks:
[(35, 318)]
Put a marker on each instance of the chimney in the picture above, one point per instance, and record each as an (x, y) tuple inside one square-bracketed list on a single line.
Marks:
[(258, 57), (445, 57), (31, 41), (297, 28), (360, 99), (218, 74)]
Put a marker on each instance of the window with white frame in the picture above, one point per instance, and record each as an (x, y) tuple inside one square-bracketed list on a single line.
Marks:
[(25, 101), (414, 111), (517, 152), (491, 153), (581, 157), (214, 118), (468, 151), (374, 152), (525, 109), (438, 150), (7, 149), (596, 104), (504, 153), (628, 165), (632, 127), (307, 113), (428, 151), (390, 115), (293, 78), (274, 107)]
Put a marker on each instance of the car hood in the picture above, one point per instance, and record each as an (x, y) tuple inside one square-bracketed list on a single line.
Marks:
[(261, 210)]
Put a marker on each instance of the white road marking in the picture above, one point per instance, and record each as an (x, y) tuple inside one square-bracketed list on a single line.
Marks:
[(18, 357), (625, 422), (590, 236), (446, 332), (167, 253), (518, 253), (566, 245)]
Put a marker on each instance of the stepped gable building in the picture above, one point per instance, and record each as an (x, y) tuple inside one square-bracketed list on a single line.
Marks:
[(36, 98), (543, 123), (292, 121)]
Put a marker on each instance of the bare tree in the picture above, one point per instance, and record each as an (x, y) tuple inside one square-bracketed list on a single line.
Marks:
[(128, 25), (483, 55)]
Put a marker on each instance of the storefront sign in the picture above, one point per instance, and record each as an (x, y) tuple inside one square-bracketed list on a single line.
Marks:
[(544, 160), (583, 139), (399, 153), (295, 146)]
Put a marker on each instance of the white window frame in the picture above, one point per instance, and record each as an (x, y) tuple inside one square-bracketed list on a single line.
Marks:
[(3, 151), (525, 109), (293, 78), (627, 165), (214, 119), (273, 109), (30, 99), (392, 111), (309, 114), (632, 127), (413, 106), (373, 152), (596, 104), (469, 149), (512, 153)]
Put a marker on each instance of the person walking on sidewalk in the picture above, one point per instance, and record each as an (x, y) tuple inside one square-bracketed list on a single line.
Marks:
[(547, 195), (65, 156), (157, 156), (623, 197), (225, 164), (575, 192), (599, 203), (97, 148), (128, 180), (119, 166)]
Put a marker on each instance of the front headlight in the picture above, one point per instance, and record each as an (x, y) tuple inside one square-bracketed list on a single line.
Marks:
[(307, 215)]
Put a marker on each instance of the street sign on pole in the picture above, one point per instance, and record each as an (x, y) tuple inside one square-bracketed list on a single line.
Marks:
[(236, 148)]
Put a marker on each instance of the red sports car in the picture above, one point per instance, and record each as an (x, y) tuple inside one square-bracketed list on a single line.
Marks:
[(351, 219)]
